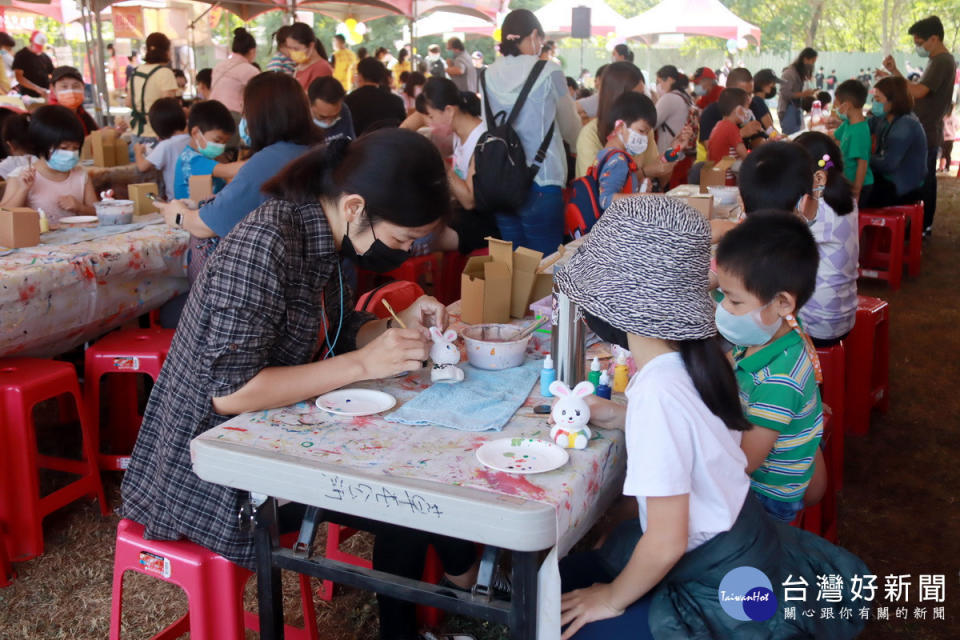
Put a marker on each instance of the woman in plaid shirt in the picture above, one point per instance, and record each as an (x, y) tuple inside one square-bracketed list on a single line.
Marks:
[(247, 340)]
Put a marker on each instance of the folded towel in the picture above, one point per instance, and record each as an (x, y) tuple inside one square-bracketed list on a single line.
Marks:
[(484, 400)]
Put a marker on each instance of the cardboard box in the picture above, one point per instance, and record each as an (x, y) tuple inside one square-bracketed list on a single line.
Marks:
[(121, 153), (702, 203), (486, 285), (525, 263), (201, 188), (103, 146), (19, 227), (142, 205), (714, 174)]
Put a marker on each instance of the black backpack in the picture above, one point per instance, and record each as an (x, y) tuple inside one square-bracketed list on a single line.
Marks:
[(438, 69), (502, 178)]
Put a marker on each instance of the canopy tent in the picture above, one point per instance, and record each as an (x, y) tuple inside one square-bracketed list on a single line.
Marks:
[(690, 17), (440, 22), (49, 9), (557, 16)]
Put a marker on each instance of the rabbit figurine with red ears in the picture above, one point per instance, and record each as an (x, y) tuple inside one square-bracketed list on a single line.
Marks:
[(445, 355), (570, 415)]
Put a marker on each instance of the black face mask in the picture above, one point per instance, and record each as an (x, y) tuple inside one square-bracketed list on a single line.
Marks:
[(605, 331), (772, 94), (378, 258)]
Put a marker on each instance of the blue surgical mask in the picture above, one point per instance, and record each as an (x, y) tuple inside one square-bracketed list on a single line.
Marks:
[(877, 109), (243, 132), (747, 330), (698, 90), (63, 160), (923, 53), (212, 150), (324, 124)]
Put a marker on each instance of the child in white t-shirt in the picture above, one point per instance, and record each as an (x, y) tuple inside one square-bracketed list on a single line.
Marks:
[(169, 121)]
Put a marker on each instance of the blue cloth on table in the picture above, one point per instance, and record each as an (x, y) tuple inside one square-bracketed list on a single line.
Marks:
[(485, 400)]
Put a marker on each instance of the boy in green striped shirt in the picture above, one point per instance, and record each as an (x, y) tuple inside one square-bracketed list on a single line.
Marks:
[(767, 270)]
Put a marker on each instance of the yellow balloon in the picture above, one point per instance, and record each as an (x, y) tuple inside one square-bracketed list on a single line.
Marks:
[(497, 34), (351, 24)]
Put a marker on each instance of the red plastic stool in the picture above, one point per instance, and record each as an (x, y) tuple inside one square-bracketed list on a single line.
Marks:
[(875, 261), (25, 382), (821, 518), (412, 270), (453, 264), (914, 248), (213, 584), (868, 364), (7, 574), (399, 295), (139, 351), (337, 535), (432, 573), (833, 390)]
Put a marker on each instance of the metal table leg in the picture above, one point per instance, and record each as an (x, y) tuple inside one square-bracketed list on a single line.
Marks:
[(269, 591), (523, 610)]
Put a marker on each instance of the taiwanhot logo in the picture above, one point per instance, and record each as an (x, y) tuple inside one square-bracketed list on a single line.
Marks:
[(746, 593)]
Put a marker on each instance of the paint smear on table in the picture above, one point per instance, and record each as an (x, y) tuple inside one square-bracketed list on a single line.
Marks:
[(511, 484)]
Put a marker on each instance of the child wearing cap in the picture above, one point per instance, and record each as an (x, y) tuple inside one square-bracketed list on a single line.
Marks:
[(767, 270), (68, 91), (658, 575)]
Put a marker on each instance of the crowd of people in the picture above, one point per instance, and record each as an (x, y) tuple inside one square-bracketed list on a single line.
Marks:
[(361, 158)]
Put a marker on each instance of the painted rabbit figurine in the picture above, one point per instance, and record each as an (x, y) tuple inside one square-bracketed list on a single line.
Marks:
[(570, 415), (445, 356)]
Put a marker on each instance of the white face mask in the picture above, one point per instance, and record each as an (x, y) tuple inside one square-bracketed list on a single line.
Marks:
[(636, 143)]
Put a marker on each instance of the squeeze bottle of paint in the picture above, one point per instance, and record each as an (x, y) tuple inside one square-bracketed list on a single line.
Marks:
[(594, 375), (603, 389), (621, 375), (547, 377)]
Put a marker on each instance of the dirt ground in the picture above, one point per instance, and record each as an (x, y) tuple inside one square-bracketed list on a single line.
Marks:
[(898, 510)]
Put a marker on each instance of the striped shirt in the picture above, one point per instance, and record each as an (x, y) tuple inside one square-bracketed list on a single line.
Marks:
[(779, 391), (282, 63)]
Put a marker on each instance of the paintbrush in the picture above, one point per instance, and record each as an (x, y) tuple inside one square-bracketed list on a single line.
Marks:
[(393, 313)]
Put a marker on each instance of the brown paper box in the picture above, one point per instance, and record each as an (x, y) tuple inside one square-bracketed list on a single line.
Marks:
[(19, 227), (714, 174), (201, 188), (525, 263), (486, 284), (702, 203), (121, 153), (142, 205), (542, 286)]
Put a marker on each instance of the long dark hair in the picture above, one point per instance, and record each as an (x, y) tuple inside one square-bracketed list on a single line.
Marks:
[(302, 33), (440, 93), (800, 65), (706, 365), (413, 80), (713, 378), (680, 81), (618, 79), (399, 173), (158, 49), (242, 41), (836, 192), (277, 110)]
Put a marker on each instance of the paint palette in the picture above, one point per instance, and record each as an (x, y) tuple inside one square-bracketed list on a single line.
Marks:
[(522, 455), (355, 402)]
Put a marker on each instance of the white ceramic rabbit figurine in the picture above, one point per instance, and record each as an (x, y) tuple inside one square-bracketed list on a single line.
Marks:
[(445, 356), (570, 415)]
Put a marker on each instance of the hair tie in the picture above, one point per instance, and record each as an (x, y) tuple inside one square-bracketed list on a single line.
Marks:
[(825, 162), (513, 36)]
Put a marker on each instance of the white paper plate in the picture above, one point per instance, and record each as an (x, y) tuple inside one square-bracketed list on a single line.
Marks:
[(356, 402), (522, 455), (78, 220)]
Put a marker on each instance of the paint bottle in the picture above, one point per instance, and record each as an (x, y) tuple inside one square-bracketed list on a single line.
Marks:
[(594, 375), (603, 388), (547, 377), (44, 223), (621, 374)]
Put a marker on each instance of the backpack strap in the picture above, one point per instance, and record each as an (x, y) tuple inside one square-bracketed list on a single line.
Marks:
[(612, 152), (488, 110), (525, 91), (138, 117)]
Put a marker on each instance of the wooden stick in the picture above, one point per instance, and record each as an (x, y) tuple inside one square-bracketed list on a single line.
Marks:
[(393, 313)]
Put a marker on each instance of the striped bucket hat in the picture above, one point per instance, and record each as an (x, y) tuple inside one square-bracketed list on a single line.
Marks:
[(644, 270)]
